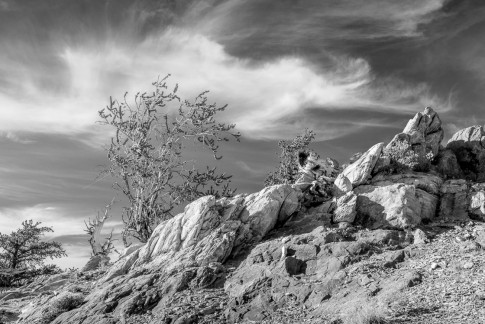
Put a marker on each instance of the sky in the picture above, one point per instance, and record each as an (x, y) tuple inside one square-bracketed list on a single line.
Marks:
[(353, 71)]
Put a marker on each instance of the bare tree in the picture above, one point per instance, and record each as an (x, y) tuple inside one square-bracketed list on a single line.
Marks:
[(94, 227), (147, 154)]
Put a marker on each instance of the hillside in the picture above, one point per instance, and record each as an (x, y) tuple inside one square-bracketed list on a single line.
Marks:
[(374, 242)]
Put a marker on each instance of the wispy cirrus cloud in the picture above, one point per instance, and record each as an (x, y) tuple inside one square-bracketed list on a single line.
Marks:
[(262, 94)]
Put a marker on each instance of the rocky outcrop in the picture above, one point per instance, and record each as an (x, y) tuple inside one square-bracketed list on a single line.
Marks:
[(447, 165), (187, 251), (313, 168), (428, 182), (392, 201), (342, 185), (454, 200), (423, 133), (308, 269), (346, 210), (327, 245), (359, 171), (390, 206), (469, 147)]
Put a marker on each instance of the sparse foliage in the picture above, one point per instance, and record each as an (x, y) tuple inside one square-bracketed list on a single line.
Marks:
[(287, 170), (93, 229), (403, 158), (23, 248), (148, 159), (61, 304)]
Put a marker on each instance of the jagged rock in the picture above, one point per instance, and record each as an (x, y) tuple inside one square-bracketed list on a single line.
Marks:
[(8, 314), (469, 147), (346, 208), (342, 185), (382, 164), (389, 206), (424, 181), (182, 252), (263, 281), (129, 250), (313, 168), (420, 237), (447, 165), (423, 133), (427, 189), (360, 171), (454, 200), (429, 204), (96, 262), (476, 207)]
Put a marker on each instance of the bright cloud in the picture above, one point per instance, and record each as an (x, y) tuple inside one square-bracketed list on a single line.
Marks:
[(260, 95)]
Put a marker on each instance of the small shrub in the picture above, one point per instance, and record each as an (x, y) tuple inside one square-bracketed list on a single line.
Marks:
[(366, 315), (287, 171), (403, 158), (61, 304)]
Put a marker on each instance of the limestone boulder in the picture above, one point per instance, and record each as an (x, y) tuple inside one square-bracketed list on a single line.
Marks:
[(392, 206), (476, 199), (477, 205), (360, 171), (346, 208), (342, 185), (423, 132), (469, 147), (428, 182), (208, 229)]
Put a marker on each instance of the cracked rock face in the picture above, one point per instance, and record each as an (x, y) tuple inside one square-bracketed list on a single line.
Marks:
[(303, 244), (360, 171), (186, 251)]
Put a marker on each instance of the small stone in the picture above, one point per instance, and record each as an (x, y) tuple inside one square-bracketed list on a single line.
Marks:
[(283, 252), (420, 237), (434, 265), (285, 239), (365, 280), (467, 265), (344, 225), (459, 239)]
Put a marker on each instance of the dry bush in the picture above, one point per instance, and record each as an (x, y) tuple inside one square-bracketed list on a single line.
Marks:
[(61, 304), (403, 158), (147, 154), (287, 171)]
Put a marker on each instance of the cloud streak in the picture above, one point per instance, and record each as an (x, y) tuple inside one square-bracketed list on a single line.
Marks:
[(262, 95)]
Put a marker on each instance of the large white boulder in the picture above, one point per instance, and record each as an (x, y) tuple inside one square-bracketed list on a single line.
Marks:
[(359, 171), (391, 206)]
